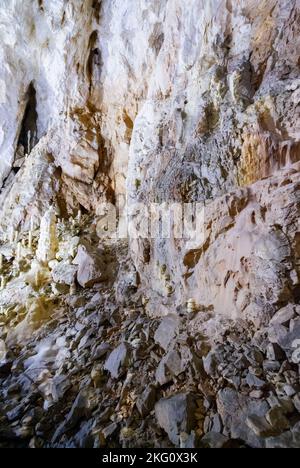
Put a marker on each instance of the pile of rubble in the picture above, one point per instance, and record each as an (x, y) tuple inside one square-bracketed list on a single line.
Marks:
[(95, 372)]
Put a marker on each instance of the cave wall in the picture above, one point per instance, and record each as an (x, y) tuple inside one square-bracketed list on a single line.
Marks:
[(176, 100)]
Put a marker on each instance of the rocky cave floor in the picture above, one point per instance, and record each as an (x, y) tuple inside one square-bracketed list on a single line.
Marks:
[(94, 373)]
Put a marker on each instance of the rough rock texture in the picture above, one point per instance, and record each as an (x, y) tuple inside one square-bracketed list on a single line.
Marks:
[(149, 101)]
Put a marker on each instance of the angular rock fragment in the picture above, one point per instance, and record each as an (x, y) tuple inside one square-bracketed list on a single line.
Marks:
[(284, 316), (167, 330), (176, 414), (234, 409), (78, 411), (118, 360), (91, 269), (213, 440), (170, 366), (64, 273)]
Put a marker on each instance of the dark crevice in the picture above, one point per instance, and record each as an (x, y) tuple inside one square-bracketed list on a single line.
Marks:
[(94, 62), (28, 134), (97, 7)]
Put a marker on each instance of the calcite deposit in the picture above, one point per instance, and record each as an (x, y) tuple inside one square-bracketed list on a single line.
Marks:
[(149, 223)]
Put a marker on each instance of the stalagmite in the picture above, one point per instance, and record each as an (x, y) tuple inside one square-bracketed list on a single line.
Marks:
[(30, 239), (37, 278), (12, 235), (2, 283), (48, 243), (18, 252)]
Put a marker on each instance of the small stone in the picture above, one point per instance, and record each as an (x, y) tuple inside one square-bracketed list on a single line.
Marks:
[(189, 441), (170, 366), (100, 351), (213, 440), (277, 333), (271, 366), (254, 381), (97, 376), (118, 360), (217, 425), (254, 356), (166, 331), (283, 316), (289, 390), (287, 341), (3, 351), (109, 430), (257, 394)]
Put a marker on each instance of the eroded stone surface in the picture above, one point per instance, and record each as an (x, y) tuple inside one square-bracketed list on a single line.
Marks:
[(172, 101)]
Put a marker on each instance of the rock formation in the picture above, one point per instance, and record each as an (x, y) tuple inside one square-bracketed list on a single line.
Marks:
[(117, 332)]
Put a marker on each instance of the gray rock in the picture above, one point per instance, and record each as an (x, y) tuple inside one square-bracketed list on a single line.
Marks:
[(166, 331), (60, 385), (189, 441), (17, 411), (210, 364), (290, 390), (260, 426), (276, 333), (285, 440), (78, 411), (287, 341), (91, 269), (169, 366), (234, 408), (145, 403), (176, 414), (254, 356), (84, 437), (64, 273), (108, 431), (271, 366), (254, 381), (100, 351), (217, 425), (118, 360), (283, 316), (274, 352)]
